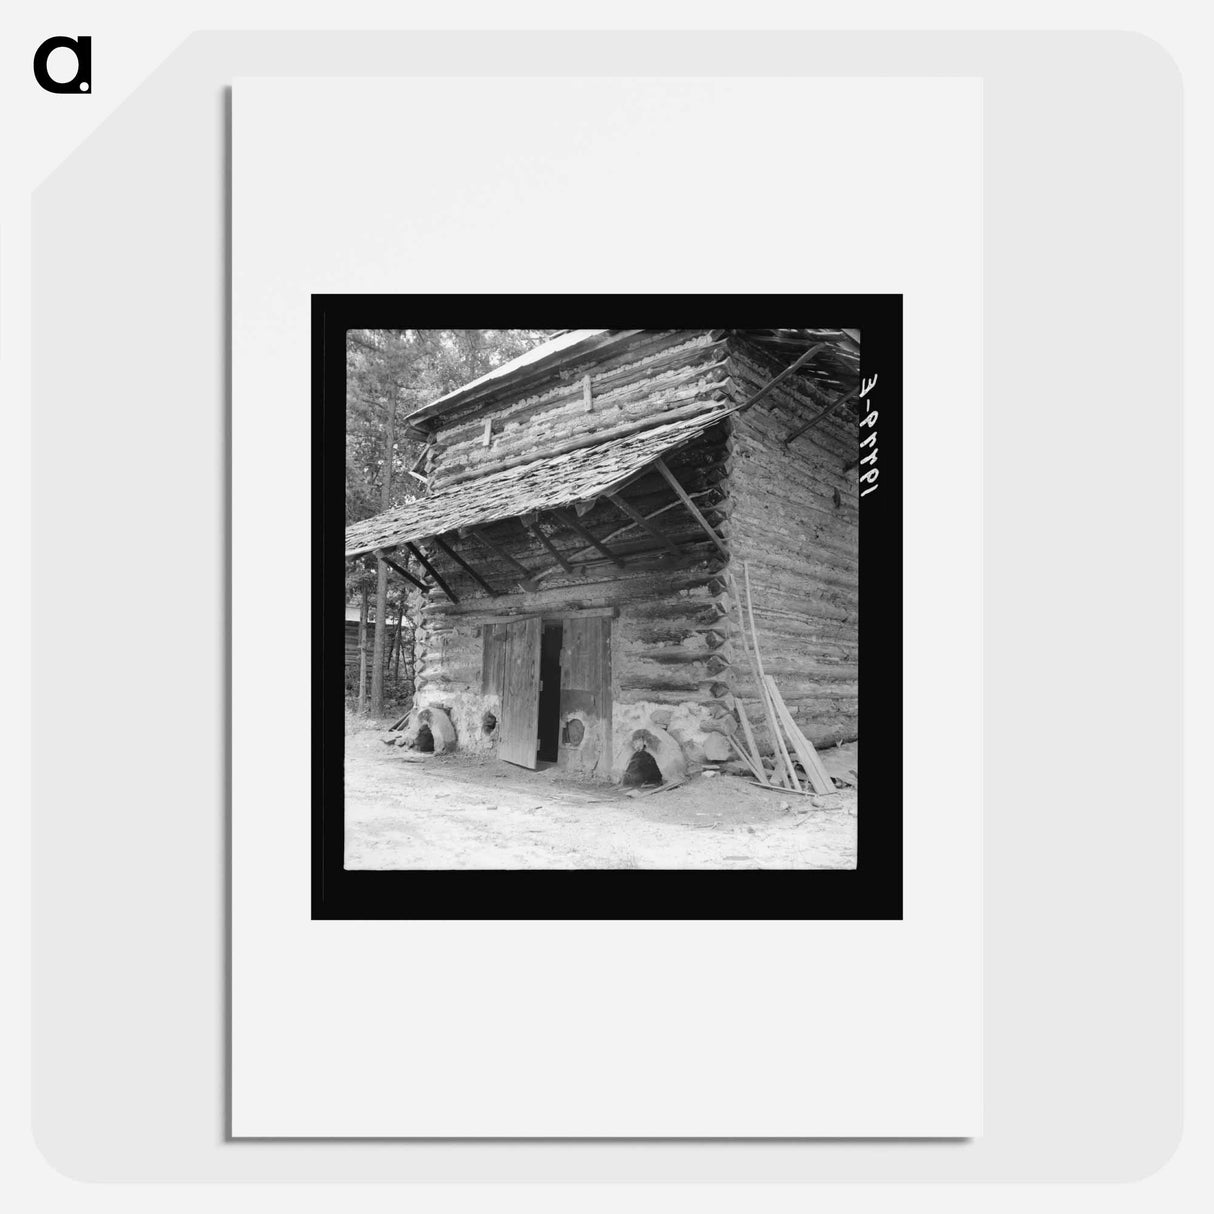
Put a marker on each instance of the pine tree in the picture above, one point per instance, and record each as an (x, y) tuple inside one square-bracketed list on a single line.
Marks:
[(389, 374)]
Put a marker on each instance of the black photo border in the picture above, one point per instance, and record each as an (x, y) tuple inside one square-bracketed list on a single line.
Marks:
[(873, 890)]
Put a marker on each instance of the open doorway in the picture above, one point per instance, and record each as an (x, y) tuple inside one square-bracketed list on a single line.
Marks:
[(551, 671), (549, 731)]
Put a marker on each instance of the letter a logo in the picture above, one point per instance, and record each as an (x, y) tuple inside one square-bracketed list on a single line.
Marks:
[(82, 48)]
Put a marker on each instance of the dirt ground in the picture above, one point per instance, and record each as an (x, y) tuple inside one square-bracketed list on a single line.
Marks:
[(405, 810)]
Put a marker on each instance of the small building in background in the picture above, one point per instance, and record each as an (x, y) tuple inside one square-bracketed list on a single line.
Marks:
[(398, 658)]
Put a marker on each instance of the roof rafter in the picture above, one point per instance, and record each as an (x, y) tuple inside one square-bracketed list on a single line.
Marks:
[(531, 523), (425, 564), (825, 413), (528, 581), (693, 509), (571, 521), (439, 543), (387, 560), (641, 521)]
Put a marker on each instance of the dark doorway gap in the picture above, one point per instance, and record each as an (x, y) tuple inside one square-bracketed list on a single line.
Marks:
[(548, 741)]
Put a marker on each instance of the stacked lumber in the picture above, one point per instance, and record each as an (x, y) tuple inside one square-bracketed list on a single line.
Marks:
[(791, 745)]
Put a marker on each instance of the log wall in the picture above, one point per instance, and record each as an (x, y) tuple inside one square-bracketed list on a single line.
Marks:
[(661, 376), (666, 629), (795, 518), (676, 656), (666, 633)]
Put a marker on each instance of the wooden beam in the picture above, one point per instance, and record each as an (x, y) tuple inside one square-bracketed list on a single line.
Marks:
[(404, 573), (630, 480), (813, 421), (819, 777), (555, 613), (642, 521), (535, 530), (420, 462), (498, 550), (628, 526), (779, 379), (570, 521), (521, 382), (584, 439), (769, 707), (463, 564), (438, 581), (709, 530)]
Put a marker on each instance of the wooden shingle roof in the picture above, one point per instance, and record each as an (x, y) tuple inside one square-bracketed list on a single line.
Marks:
[(542, 484)]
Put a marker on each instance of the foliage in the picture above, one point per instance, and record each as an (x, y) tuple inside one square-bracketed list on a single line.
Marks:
[(406, 368)]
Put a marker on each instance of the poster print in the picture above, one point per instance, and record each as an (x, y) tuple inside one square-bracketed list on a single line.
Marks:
[(590, 605)]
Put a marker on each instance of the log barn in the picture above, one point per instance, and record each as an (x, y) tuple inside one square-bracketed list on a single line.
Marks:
[(585, 506)]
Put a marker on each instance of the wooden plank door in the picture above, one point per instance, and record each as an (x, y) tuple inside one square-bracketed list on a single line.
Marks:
[(586, 691), (521, 693)]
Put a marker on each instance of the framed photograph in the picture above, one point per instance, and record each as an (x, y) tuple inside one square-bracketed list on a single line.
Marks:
[(581, 625), (589, 607)]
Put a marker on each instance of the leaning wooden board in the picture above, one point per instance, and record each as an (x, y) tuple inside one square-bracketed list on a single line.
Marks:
[(782, 773), (753, 756), (801, 744)]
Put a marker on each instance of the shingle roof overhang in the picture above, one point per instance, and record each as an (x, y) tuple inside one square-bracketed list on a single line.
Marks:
[(543, 484)]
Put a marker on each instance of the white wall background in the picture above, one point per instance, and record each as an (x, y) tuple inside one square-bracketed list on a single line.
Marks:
[(1082, 148)]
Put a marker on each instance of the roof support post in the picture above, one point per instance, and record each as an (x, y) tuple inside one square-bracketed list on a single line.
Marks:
[(694, 510), (463, 564), (438, 581), (642, 521)]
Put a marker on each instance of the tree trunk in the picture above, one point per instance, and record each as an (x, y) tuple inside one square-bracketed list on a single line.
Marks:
[(377, 655), (381, 585), (362, 655), (400, 619)]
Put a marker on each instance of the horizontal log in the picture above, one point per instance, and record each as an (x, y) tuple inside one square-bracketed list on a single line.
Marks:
[(753, 367), (661, 695), (610, 390), (646, 345), (445, 479), (815, 691), (664, 655), (647, 682), (790, 605), (554, 612)]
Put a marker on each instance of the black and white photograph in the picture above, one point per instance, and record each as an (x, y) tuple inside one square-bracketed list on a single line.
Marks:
[(600, 597), (504, 821)]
